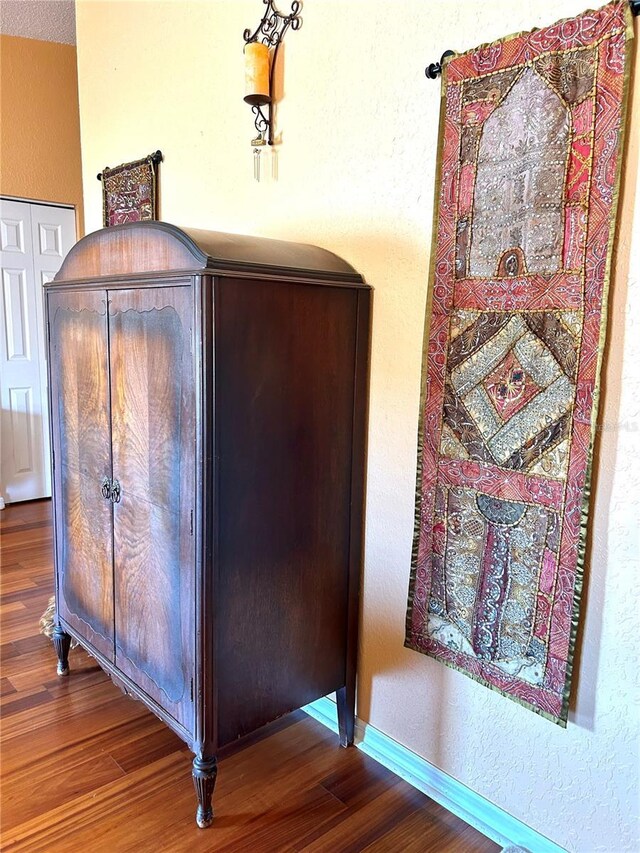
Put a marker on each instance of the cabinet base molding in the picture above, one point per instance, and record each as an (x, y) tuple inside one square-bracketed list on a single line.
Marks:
[(125, 684)]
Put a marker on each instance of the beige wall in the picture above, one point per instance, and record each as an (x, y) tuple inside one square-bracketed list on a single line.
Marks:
[(39, 122), (356, 175)]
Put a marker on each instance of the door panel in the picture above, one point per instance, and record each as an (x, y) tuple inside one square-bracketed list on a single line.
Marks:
[(153, 434), (53, 233), (22, 472), (34, 239), (81, 440)]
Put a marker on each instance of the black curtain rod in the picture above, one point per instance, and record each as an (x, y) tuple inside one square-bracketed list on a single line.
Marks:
[(434, 69), (156, 157)]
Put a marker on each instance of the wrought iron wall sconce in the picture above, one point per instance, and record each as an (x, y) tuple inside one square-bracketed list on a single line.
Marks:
[(261, 54)]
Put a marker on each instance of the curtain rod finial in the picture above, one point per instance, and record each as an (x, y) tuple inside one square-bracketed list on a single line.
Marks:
[(434, 70)]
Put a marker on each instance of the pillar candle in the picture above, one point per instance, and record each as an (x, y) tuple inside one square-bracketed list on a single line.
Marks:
[(256, 73)]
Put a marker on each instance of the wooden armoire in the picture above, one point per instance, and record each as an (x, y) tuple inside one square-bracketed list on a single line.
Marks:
[(208, 403)]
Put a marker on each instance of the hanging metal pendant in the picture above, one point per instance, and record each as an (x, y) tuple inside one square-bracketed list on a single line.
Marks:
[(257, 144)]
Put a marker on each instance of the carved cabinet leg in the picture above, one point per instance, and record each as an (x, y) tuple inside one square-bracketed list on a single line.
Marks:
[(204, 774), (346, 701), (61, 642)]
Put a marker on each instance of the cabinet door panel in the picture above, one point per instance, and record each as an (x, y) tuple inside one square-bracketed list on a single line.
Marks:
[(81, 442), (153, 436)]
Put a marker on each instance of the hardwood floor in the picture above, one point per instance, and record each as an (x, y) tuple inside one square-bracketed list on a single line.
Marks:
[(86, 769)]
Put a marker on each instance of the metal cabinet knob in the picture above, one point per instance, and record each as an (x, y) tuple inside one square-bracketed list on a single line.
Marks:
[(115, 492), (106, 488), (110, 490)]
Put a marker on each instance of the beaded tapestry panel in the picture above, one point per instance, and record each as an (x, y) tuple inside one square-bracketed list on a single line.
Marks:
[(531, 136), (129, 192)]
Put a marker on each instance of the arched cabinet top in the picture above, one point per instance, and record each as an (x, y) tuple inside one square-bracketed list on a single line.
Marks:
[(157, 247)]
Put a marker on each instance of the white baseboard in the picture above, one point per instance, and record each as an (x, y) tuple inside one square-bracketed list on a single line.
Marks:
[(461, 801)]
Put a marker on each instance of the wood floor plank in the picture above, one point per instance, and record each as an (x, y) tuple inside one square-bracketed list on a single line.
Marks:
[(359, 782), (6, 687), (8, 651), (285, 821), (59, 782), (73, 825), (150, 746), (432, 822), (86, 768), (366, 824)]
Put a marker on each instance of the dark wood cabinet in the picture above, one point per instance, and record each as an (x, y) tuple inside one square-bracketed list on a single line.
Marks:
[(208, 406)]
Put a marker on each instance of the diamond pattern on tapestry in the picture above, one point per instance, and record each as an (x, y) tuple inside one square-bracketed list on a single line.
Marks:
[(512, 389)]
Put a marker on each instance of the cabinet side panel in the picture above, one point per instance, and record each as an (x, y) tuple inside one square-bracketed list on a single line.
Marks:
[(284, 416), (81, 444), (153, 417)]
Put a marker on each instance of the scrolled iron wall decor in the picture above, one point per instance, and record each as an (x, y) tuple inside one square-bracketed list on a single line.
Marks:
[(261, 54)]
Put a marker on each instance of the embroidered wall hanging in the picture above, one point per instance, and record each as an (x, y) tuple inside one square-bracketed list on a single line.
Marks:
[(129, 191), (531, 134)]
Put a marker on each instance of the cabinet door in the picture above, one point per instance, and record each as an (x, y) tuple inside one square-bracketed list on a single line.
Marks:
[(81, 443), (153, 435)]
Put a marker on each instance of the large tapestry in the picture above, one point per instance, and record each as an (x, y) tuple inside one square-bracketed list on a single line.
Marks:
[(531, 136)]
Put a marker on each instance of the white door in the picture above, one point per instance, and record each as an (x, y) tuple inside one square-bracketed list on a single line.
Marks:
[(34, 239)]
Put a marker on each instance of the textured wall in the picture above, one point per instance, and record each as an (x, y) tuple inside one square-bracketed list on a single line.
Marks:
[(356, 172), (39, 122), (40, 19)]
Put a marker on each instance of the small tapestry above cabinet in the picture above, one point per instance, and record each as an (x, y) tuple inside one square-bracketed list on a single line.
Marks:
[(129, 191)]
